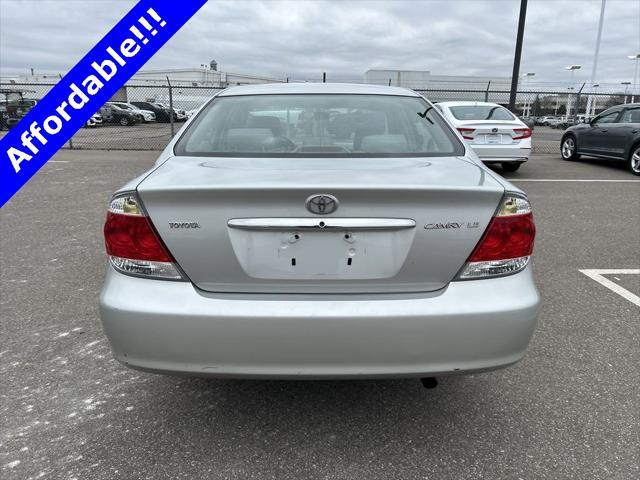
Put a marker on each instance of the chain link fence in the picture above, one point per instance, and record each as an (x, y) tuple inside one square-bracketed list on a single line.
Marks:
[(139, 116)]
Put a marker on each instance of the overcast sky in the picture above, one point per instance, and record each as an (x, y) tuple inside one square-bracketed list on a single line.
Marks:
[(301, 39)]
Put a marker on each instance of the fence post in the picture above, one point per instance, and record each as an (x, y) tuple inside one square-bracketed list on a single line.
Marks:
[(486, 92), (575, 110), (71, 137), (171, 107)]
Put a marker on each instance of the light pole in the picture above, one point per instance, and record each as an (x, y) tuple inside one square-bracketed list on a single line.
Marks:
[(635, 57), (572, 69), (592, 112), (567, 113), (596, 54), (516, 58), (525, 106), (626, 89)]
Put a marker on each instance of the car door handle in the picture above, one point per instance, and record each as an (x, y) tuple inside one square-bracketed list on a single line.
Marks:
[(604, 130), (635, 131)]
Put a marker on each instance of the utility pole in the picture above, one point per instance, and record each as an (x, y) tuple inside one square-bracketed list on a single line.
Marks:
[(594, 68), (518, 54), (636, 58)]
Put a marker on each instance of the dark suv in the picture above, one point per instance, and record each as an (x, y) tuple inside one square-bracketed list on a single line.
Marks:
[(614, 134), (162, 114), (113, 114)]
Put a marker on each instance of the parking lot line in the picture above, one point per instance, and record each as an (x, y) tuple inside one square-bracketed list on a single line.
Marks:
[(598, 276), (586, 180)]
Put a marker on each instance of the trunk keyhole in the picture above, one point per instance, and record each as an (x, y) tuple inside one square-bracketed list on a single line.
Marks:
[(293, 262), (349, 261)]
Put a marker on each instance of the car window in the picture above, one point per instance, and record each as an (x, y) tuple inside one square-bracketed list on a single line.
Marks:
[(607, 117), (481, 112), (319, 125), (631, 115)]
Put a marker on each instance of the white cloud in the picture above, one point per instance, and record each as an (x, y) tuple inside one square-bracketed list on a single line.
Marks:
[(302, 39)]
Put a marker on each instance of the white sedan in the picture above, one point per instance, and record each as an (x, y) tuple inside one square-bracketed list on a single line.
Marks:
[(492, 131)]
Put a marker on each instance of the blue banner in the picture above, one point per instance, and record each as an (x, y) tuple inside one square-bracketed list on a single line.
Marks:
[(87, 86)]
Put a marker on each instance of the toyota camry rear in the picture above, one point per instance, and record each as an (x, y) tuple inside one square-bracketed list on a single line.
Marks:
[(318, 231)]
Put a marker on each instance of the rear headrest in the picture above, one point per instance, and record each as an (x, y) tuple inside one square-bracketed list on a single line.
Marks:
[(384, 144), (272, 123), (247, 139)]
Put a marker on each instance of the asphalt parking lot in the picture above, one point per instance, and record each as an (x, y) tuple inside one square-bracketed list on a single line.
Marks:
[(569, 410)]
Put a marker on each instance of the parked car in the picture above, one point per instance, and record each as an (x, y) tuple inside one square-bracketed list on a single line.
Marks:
[(191, 113), (547, 120), (146, 116), (114, 114), (567, 122), (180, 115), (555, 122), (162, 114), (94, 121), (262, 245), (13, 110), (528, 121), (492, 131), (612, 135)]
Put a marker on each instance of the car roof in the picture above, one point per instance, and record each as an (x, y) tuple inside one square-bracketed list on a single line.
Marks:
[(468, 104), (315, 88)]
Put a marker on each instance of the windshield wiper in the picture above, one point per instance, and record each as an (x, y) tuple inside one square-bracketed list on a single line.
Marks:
[(491, 113), (424, 115)]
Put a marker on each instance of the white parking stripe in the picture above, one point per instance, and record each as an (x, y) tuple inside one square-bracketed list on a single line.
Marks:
[(597, 275), (570, 180)]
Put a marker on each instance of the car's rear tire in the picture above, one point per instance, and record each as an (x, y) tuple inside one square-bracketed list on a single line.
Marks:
[(124, 121), (568, 148), (510, 166), (634, 159)]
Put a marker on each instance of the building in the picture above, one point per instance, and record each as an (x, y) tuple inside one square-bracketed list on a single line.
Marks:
[(424, 79), (202, 76)]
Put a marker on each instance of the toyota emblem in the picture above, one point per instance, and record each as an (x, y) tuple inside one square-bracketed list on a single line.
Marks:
[(322, 204)]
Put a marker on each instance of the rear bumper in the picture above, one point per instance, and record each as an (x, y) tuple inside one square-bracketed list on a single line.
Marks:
[(171, 327), (503, 153)]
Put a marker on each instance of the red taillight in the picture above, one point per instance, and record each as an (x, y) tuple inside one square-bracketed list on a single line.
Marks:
[(132, 237), (506, 238), (522, 133), (132, 243), (466, 133), (507, 243)]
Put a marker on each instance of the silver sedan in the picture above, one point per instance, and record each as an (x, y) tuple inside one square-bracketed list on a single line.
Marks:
[(319, 231)]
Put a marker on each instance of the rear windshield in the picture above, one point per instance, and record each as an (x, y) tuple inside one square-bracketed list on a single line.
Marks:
[(319, 125), (481, 112)]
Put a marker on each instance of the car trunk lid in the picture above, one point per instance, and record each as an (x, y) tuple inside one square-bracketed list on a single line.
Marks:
[(488, 132), (241, 225)]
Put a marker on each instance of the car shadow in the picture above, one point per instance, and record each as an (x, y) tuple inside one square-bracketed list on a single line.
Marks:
[(354, 423), (599, 162), (618, 165)]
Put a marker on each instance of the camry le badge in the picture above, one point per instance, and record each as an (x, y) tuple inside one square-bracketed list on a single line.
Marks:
[(322, 204)]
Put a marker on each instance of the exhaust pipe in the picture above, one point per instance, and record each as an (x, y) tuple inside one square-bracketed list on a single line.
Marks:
[(429, 382)]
